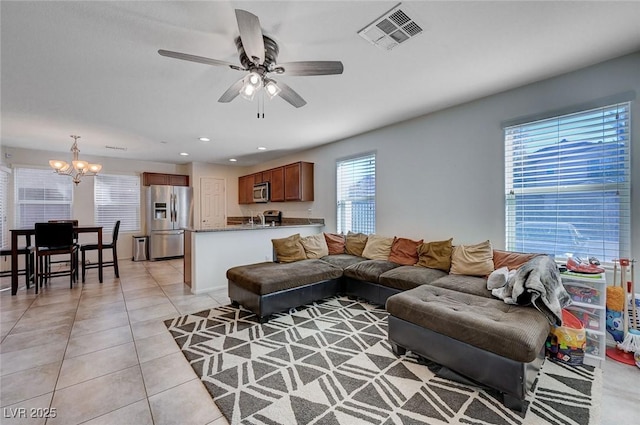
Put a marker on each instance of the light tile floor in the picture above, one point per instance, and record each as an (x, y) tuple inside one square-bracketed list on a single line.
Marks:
[(101, 354)]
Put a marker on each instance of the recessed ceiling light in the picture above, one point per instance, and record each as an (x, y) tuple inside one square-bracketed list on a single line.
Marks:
[(204, 139), (232, 160), (184, 154), (262, 148)]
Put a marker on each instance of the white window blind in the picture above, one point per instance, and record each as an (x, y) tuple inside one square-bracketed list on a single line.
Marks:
[(567, 184), (41, 195), (356, 192), (117, 197), (4, 229)]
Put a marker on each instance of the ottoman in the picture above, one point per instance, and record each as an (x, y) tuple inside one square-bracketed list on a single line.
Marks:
[(267, 288), (490, 342)]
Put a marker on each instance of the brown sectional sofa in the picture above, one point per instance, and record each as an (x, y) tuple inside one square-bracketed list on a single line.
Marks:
[(450, 319)]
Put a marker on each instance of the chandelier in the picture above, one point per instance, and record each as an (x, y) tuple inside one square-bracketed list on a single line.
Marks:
[(77, 168)]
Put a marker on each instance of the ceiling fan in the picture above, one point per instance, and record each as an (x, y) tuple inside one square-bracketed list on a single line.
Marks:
[(258, 55)]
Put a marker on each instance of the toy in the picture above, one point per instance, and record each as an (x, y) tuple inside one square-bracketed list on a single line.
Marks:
[(567, 343), (582, 294)]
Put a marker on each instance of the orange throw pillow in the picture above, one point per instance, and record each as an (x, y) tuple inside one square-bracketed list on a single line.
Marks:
[(335, 242), (511, 260), (404, 251)]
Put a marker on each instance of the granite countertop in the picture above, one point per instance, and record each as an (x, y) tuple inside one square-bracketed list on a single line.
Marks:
[(239, 227)]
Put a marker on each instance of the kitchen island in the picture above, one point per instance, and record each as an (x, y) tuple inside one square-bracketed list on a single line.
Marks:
[(209, 253)]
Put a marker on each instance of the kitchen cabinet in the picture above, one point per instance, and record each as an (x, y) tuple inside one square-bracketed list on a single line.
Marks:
[(245, 189), (277, 184), (292, 182), (165, 179), (298, 181)]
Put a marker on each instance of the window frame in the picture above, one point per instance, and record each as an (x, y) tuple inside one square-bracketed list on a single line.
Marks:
[(48, 178), (344, 204), (108, 221), (590, 162)]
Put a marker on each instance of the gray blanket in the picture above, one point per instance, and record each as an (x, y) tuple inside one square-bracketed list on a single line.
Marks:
[(537, 282)]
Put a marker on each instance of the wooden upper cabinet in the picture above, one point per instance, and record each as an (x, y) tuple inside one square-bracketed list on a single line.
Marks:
[(178, 180), (298, 181), (164, 179), (293, 182), (277, 184), (245, 189)]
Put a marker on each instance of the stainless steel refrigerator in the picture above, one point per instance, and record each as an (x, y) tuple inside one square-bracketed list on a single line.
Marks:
[(169, 211)]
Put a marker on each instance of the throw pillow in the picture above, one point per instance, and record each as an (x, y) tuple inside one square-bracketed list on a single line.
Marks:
[(355, 243), (377, 247), (335, 243), (510, 259), (404, 251), (435, 255), (315, 246), (472, 260), (289, 249)]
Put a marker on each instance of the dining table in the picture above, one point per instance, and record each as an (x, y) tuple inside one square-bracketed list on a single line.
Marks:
[(29, 231)]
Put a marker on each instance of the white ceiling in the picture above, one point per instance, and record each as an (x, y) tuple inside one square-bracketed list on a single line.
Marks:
[(92, 68)]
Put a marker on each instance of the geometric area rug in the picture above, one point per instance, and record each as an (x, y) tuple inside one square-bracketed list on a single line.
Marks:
[(329, 362)]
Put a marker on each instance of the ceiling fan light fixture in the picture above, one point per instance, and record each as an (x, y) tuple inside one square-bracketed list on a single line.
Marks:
[(272, 88), (248, 92)]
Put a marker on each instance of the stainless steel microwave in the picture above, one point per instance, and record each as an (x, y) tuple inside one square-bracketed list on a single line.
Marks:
[(261, 192)]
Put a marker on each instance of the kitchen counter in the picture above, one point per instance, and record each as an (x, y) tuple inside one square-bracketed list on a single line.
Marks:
[(237, 227), (209, 253)]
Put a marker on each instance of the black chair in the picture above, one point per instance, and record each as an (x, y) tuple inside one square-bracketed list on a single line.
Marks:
[(55, 239), (29, 264), (75, 240), (113, 246)]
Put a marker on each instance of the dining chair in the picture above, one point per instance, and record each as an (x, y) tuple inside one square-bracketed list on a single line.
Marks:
[(113, 246), (29, 264), (55, 239), (75, 240)]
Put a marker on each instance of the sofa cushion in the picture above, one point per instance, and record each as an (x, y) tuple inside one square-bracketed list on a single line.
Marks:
[(342, 260), (511, 260), (404, 251), (335, 243), (436, 255), (408, 277), (474, 285), (512, 331), (377, 247), (369, 270), (355, 243), (266, 278), (472, 260), (315, 246), (288, 249)]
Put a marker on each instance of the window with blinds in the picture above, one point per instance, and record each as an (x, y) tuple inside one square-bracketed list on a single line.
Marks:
[(41, 195), (117, 197), (4, 190), (567, 184), (356, 193)]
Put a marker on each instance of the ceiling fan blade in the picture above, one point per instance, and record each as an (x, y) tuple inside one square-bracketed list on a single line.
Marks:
[(232, 92), (199, 59), (310, 68), (288, 94), (251, 35)]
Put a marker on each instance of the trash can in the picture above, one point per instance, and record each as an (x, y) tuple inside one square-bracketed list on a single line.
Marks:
[(140, 248)]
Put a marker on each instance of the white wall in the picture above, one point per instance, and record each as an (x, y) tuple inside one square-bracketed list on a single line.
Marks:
[(442, 175)]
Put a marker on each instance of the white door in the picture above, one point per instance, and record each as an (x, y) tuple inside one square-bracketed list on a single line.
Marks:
[(212, 203)]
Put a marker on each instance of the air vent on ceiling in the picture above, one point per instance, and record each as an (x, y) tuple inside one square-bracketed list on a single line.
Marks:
[(116, 148), (391, 29)]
